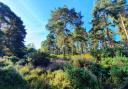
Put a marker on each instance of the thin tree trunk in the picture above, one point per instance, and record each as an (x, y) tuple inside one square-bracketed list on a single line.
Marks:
[(123, 25), (82, 49)]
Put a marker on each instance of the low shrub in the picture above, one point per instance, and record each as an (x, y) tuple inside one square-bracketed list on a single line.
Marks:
[(82, 78), (59, 80), (10, 78), (14, 59), (36, 78), (118, 67), (40, 59)]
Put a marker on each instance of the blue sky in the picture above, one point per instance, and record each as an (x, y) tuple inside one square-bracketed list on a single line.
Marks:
[(35, 15)]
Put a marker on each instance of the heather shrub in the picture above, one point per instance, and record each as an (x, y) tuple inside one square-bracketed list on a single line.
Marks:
[(82, 78), (118, 69), (10, 78), (36, 78), (40, 59)]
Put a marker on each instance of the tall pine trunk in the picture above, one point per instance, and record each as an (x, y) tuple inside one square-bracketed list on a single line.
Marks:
[(123, 25)]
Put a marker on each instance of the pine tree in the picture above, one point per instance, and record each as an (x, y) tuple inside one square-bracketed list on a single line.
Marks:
[(13, 30)]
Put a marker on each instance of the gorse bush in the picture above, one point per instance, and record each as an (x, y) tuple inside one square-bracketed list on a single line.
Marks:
[(36, 78), (40, 79), (108, 73), (59, 80), (118, 69), (95, 68), (10, 78), (71, 56), (82, 78)]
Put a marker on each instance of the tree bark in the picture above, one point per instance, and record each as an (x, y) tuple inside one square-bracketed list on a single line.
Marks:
[(123, 25)]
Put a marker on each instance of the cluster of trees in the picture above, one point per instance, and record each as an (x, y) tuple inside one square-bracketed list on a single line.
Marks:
[(68, 36), (38, 70), (12, 33), (66, 32), (107, 16)]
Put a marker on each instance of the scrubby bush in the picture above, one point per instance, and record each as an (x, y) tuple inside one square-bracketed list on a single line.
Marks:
[(118, 67), (108, 73), (59, 80), (14, 59), (40, 59), (95, 68), (86, 56), (23, 62), (82, 78), (76, 63), (111, 72), (36, 78), (10, 78)]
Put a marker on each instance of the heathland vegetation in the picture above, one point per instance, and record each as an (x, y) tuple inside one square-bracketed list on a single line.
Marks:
[(71, 57)]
